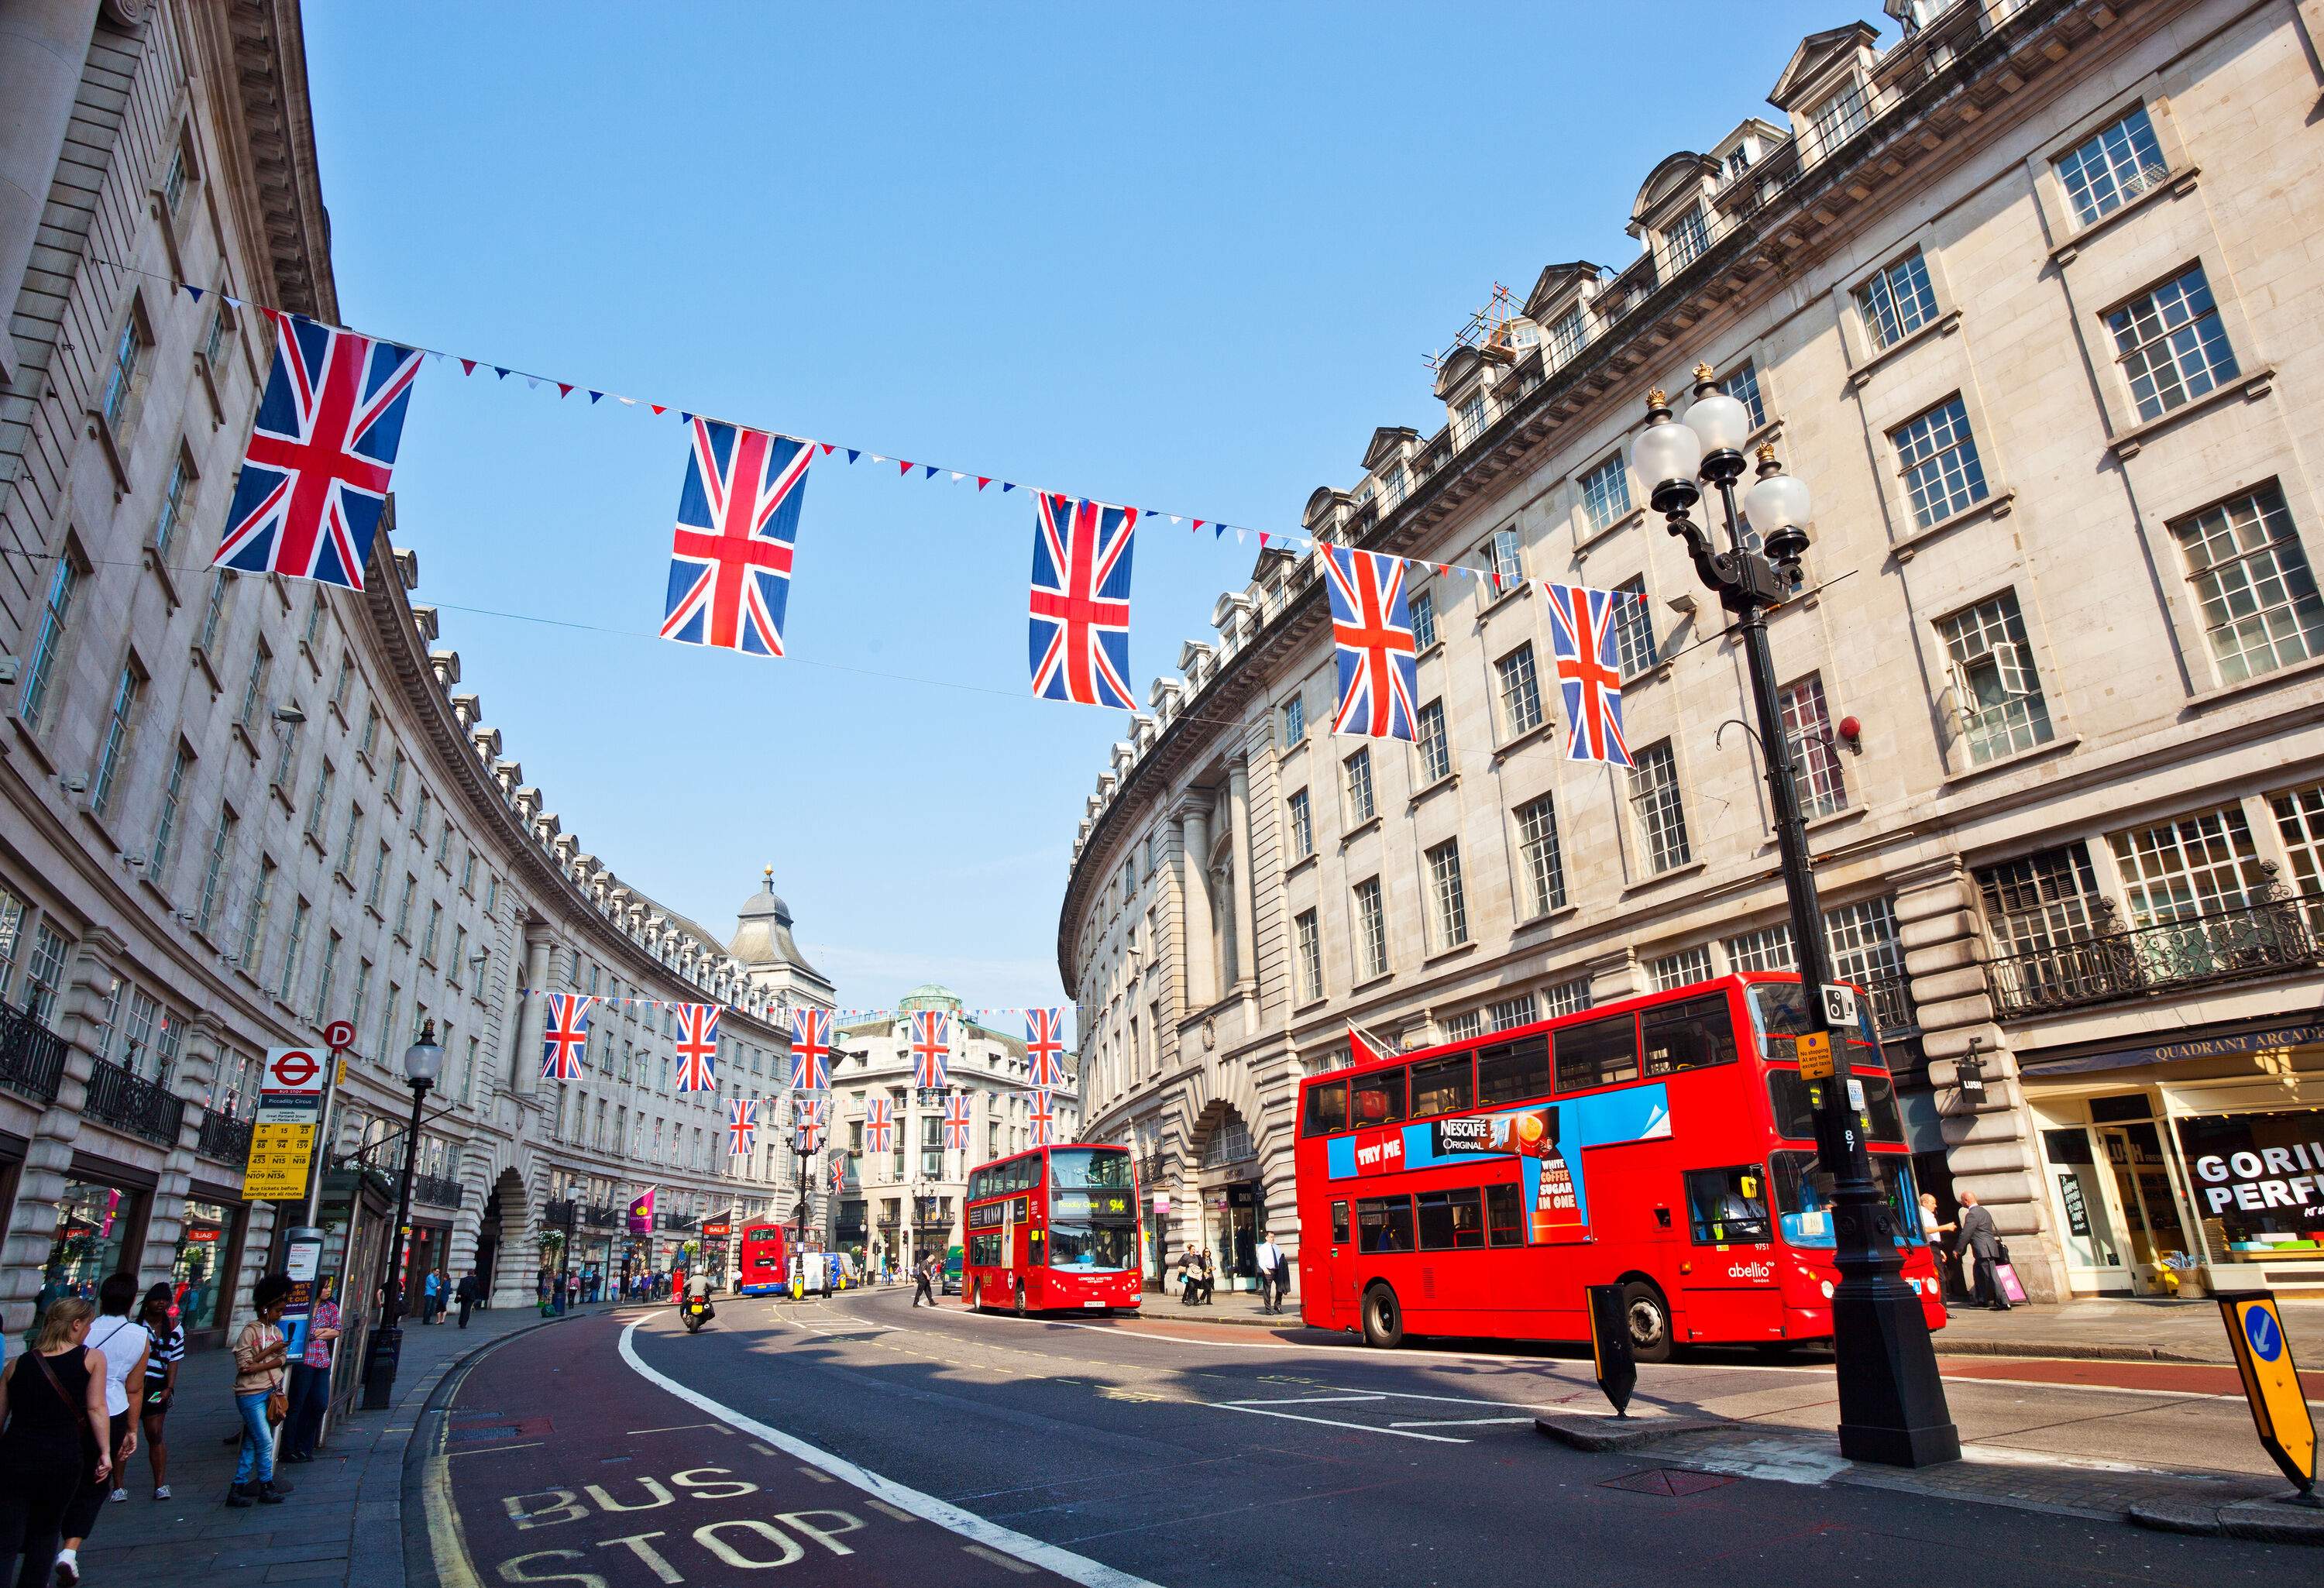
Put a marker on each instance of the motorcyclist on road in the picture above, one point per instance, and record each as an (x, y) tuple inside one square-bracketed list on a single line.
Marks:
[(697, 1288)]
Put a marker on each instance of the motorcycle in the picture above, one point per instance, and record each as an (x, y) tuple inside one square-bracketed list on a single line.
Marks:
[(696, 1312)]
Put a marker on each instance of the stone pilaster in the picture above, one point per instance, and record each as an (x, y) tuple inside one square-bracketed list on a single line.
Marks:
[(524, 1072), (1196, 912), (1246, 926), (47, 1157)]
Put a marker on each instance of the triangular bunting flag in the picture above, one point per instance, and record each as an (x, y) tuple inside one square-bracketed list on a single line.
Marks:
[(1006, 487), (902, 467), (1238, 537), (595, 398), (983, 481), (500, 372), (627, 401), (931, 474), (828, 448), (958, 475), (658, 407), (564, 389), (1262, 537), (684, 418), (532, 383), (853, 453), (1220, 530), (467, 366), (194, 292), (1174, 518), (1199, 522)]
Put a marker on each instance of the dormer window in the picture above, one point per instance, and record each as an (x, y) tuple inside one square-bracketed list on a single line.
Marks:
[(1839, 118), (1685, 239), (1470, 423), (1567, 334), (1739, 161)]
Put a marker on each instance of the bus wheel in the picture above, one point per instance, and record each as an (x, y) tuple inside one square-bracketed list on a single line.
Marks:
[(1383, 1318), (976, 1296), (1650, 1324), (1020, 1299)]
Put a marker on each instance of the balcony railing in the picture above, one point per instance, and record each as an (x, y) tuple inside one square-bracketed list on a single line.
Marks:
[(436, 1190), (224, 1137), (32, 1057), (2264, 938), (127, 1101), (602, 1218)]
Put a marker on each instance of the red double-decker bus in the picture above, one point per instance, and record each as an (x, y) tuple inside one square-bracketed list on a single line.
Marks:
[(1663, 1143), (762, 1267), (1053, 1228)]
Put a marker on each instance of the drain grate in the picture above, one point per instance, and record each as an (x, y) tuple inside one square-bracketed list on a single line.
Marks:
[(1667, 1481), (493, 1428)]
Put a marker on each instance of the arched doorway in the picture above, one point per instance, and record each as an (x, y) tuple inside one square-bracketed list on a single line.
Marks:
[(1230, 1203), (504, 1219)]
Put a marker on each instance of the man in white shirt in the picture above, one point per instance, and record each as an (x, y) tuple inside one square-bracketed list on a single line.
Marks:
[(1273, 1272)]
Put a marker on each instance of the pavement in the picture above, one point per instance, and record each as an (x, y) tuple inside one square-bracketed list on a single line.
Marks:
[(342, 1525), (871, 1442)]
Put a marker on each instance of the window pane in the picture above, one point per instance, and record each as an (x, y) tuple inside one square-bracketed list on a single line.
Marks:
[(1537, 848), (1502, 1225), (1897, 302), (1451, 1221), (1654, 797), (1937, 456), (1727, 1204), (1421, 605), (1687, 1036), (1441, 1086), (1998, 692), (2253, 582), (1520, 692), (1807, 724), (1436, 753), (1634, 628), (1513, 1071), (2171, 343), (1597, 1054), (1378, 1097), (1384, 1224), (1606, 492), (2113, 167)]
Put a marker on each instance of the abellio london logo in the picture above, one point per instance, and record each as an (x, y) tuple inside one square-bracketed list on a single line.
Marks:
[(1750, 1270)]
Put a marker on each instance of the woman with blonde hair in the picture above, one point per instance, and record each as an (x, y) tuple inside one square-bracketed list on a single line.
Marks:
[(55, 1438)]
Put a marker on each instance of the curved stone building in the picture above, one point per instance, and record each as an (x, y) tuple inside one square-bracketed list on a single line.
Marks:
[(2025, 292)]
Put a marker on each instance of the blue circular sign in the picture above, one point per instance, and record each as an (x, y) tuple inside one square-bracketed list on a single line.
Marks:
[(2261, 1329)]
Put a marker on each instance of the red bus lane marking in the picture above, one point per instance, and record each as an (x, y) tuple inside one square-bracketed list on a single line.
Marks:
[(2164, 1377), (624, 1490)]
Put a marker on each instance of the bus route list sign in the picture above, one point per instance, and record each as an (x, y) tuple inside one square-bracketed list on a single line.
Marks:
[(283, 1133)]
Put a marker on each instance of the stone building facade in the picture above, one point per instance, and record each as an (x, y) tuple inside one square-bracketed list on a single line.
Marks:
[(234, 807), (2022, 293), (892, 1203)]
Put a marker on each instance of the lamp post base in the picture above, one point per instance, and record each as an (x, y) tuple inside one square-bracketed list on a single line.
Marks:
[(1891, 1403), (380, 1363)]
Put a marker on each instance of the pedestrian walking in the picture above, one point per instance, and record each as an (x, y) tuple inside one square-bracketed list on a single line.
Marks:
[(122, 1342), (260, 1353), (53, 1439), (572, 1289), (924, 1277), (1272, 1272), (1934, 1227), (310, 1377), (165, 1348), (468, 1295), (432, 1293), (1984, 1244)]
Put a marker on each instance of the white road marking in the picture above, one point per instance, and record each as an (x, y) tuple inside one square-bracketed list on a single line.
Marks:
[(674, 1429), (1261, 1411), (1461, 1423), (1065, 1563)]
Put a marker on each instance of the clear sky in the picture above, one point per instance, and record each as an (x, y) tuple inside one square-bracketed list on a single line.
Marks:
[(1182, 257)]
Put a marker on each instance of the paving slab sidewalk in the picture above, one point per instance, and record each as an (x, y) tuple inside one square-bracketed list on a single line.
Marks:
[(342, 1525)]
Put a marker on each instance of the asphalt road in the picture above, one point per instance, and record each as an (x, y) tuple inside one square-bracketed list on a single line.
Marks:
[(970, 1449)]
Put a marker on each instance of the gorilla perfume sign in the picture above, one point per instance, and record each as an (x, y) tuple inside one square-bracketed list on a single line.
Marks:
[(2261, 1175)]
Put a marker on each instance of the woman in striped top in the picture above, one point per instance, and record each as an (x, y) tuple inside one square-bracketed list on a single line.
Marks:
[(160, 1316)]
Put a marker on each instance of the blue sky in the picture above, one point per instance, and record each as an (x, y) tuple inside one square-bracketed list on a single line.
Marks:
[(1181, 257)]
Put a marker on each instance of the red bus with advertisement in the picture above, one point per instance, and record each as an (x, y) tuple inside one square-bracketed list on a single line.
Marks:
[(1663, 1143), (762, 1267), (1051, 1229)]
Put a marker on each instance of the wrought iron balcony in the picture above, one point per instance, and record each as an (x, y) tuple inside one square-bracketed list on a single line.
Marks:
[(558, 1212), (32, 1057), (126, 1101), (225, 1139), (2267, 937), (602, 1218), (436, 1190)]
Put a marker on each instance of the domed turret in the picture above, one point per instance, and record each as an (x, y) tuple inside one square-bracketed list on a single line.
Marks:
[(762, 932)]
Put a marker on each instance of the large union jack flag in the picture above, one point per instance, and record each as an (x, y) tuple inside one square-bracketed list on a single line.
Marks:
[(1372, 628), (697, 1046), (931, 1039), (730, 556), (955, 1120), (1080, 631), (1045, 1046), (564, 1034), (741, 1126), (1045, 1118), (1588, 671), (879, 1125), (314, 479), (810, 1049)]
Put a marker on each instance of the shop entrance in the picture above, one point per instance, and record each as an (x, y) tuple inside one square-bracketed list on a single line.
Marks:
[(2151, 1229)]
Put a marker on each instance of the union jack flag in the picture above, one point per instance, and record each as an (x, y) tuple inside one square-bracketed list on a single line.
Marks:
[(697, 1046), (931, 1047), (1372, 628), (810, 1048), (839, 1174), (742, 1125), (955, 1120), (879, 1125), (730, 556), (1589, 672), (564, 1035), (1080, 631), (809, 1117), (1045, 1048), (1045, 1118), (314, 479)]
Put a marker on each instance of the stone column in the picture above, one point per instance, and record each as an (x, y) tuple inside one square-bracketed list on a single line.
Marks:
[(1200, 949), (525, 1063), (44, 48), (47, 1157), (1246, 927), (1989, 1141)]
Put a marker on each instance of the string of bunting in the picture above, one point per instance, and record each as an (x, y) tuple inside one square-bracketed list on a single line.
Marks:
[(314, 483)]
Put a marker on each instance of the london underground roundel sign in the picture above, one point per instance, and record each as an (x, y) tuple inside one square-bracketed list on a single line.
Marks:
[(293, 1069)]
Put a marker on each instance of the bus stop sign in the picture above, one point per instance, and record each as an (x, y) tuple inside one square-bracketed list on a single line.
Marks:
[(2272, 1384)]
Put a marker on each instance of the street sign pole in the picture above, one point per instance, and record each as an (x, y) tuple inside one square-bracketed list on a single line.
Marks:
[(339, 1035)]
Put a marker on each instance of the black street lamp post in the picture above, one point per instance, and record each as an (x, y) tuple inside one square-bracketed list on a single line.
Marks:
[(422, 1061), (1892, 1405)]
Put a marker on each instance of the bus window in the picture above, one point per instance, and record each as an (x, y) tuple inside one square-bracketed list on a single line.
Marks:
[(1384, 1224), (1339, 1224), (1088, 1168), (1804, 1198), (1441, 1086), (1327, 1109), (1502, 1223), (1728, 1205), (1379, 1097), (1688, 1036), (1597, 1054), (1514, 1072), (1451, 1221), (1794, 1102), (1037, 1248)]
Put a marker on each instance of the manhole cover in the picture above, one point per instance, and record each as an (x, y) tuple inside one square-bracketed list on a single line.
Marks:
[(1670, 1480), (493, 1428)]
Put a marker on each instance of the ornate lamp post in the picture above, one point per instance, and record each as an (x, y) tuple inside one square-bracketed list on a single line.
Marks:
[(1892, 1406), (423, 1062)]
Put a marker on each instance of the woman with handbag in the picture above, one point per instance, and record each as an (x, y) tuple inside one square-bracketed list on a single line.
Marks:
[(259, 1352), (53, 1432), (121, 1343)]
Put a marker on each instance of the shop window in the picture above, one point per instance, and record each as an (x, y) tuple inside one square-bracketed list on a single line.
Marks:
[(2258, 1180), (93, 1228), (1725, 1205)]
